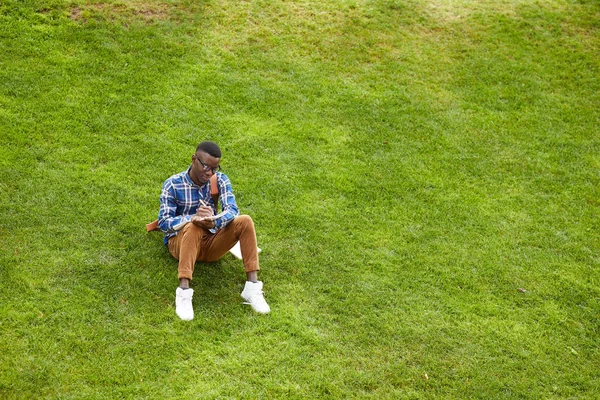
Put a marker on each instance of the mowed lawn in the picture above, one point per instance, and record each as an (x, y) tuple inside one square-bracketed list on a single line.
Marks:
[(424, 177)]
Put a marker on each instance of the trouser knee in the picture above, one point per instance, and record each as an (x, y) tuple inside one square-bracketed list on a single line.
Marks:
[(244, 220)]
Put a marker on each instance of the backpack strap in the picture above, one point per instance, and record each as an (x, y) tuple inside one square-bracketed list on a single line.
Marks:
[(214, 191), (152, 226)]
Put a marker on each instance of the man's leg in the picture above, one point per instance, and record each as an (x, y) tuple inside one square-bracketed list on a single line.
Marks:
[(242, 229), (186, 247)]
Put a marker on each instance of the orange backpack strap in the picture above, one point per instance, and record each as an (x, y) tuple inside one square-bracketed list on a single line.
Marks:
[(214, 191), (152, 226)]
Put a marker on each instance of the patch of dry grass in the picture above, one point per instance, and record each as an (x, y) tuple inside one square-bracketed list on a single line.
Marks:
[(122, 10)]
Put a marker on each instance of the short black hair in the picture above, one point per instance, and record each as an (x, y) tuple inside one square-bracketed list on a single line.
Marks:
[(210, 148)]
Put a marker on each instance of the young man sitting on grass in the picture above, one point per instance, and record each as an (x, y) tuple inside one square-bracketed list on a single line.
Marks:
[(194, 231)]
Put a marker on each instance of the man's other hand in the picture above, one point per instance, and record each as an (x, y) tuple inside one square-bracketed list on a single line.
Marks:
[(201, 217), (204, 211)]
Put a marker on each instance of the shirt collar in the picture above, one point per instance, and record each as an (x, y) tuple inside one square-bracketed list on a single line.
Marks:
[(188, 179)]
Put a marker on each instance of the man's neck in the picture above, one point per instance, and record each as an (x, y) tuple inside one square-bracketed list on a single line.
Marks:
[(192, 178)]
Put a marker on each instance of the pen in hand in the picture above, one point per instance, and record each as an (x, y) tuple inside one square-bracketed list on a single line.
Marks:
[(205, 218)]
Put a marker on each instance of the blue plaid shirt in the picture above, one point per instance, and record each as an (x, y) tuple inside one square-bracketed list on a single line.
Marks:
[(181, 197)]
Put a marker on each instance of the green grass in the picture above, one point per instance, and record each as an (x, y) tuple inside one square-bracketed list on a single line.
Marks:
[(409, 166)]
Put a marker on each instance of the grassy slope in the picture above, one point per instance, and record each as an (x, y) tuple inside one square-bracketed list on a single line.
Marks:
[(409, 166)]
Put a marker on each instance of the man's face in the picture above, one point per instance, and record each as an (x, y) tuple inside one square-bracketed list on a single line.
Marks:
[(203, 167)]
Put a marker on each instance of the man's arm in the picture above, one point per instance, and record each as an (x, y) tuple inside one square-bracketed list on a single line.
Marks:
[(168, 221)]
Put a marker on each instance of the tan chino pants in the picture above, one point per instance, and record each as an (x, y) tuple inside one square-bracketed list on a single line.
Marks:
[(194, 243)]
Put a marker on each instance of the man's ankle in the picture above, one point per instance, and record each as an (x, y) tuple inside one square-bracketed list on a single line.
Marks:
[(252, 276), (184, 283)]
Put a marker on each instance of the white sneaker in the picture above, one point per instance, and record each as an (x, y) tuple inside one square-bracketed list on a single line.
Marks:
[(253, 295), (183, 304)]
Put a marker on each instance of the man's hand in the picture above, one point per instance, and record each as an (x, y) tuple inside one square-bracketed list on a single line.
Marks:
[(201, 217)]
